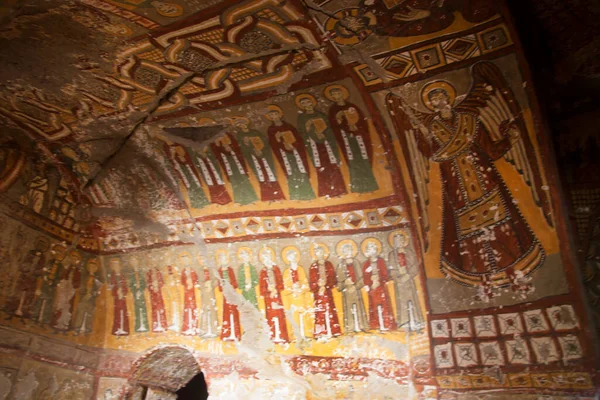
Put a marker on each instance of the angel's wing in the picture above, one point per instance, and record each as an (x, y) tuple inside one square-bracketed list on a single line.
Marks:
[(406, 120), (493, 100)]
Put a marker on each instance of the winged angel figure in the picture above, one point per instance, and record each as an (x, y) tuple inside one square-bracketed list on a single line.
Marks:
[(486, 241)]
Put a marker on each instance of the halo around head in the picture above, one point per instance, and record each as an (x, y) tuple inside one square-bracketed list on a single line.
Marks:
[(303, 96), (346, 242), (369, 241), (343, 89), (182, 255), (239, 120), (273, 107), (437, 85), (246, 249), (205, 122), (393, 234), (285, 252), (266, 249), (219, 252), (315, 246)]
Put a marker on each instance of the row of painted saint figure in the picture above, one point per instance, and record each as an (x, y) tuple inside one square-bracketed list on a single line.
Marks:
[(54, 290), (324, 139), (307, 299)]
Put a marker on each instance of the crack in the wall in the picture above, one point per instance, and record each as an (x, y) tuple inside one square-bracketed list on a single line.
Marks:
[(156, 103)]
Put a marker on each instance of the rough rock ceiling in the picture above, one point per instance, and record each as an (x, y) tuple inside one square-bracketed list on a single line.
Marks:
[(82, 83), (122, 115)]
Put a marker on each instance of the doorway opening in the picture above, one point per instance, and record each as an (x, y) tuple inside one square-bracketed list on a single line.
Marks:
[(167, 372), (195, 389)]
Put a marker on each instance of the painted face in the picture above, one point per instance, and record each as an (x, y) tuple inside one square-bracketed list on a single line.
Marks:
[(399, 241), (274, 115), (439, 100), (371, 250), (242, 125), (319, 252), (337, 94), (134, 262), (115, 265), (244, 256), (75, 257), (292, 256), (222, 258), (267, 259), (92, 266), (307, 104), (347, 251), (184, 259), (59, 252)]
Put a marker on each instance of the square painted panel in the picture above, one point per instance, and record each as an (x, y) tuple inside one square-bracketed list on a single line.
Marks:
[(461, 328), (563, 317), (517, 352), (465, 354), (545, 350), (491, 353), (443, 356), (485, 326), (510, 324), (535, 321), (440, 329), (571, 348)]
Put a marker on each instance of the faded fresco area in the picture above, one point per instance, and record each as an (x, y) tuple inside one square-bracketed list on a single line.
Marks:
[(299, 200)]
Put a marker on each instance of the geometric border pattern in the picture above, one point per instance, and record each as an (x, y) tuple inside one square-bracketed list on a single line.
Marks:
[(400, 65), (562, 380), (532, 337), (249, 226)]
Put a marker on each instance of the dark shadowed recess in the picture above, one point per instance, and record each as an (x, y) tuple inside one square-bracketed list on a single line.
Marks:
[(195, 389)]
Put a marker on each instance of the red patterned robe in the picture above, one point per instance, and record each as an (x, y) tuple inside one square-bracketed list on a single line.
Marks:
[(208, 167), (273, 303), (483, 231), (31, 267), (230, 312), (155, 283), (375, 276), (121, 316), (189, 280), (326, 319)]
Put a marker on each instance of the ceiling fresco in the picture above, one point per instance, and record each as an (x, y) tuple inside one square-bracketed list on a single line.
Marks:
[(179, 106), (318, 199)]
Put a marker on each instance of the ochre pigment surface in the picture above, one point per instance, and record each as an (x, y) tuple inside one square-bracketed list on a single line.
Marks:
[(299, 199)]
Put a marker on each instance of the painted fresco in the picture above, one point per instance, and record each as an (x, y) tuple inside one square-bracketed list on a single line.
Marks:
[(49, 286), (299, 150), (311, 294), (301, 199), (465, 137)]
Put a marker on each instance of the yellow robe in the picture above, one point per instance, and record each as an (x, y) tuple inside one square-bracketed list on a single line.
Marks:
[(299, 296)]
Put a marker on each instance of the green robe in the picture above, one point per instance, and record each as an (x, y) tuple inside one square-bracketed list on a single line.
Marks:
[(139, 302), (328, 133), (249, 294), (362, 179), (294, 162), (248, 150), (43, 307), (195, 192), (233, 164)]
